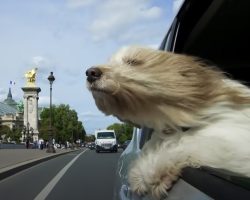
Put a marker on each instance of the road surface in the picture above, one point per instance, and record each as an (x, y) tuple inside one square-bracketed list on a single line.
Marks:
[(82, 174)]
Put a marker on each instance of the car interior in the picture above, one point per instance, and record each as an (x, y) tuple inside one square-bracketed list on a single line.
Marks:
[(219, 32)]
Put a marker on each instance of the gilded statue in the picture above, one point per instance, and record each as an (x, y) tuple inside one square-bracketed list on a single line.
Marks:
[(31, 77)]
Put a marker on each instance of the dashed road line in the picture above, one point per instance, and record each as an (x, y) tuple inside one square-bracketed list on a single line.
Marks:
[(45, 192)]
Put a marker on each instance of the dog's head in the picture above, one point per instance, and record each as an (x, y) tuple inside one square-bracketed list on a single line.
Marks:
[(147, 86)]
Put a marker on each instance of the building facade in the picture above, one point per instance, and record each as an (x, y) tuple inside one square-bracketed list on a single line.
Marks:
[(10, 115)]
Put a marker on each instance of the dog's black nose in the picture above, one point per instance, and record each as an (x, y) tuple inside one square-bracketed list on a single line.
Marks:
[(93, 74)]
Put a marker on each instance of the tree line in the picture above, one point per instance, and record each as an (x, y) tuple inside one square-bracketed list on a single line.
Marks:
[(65, 124), (66, 127), (123, 131)]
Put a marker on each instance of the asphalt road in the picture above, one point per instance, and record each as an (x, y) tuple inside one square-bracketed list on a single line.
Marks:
[(77, 175)]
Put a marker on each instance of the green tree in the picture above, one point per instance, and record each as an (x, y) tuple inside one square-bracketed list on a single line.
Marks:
[(4, 132), (65, 124), (14, 135), (89, 138), (123, 131)]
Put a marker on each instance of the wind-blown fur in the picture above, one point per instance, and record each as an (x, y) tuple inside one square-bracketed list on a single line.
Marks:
[(166, 92)]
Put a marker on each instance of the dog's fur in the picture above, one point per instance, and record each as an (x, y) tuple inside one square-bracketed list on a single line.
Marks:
[(166, 92)]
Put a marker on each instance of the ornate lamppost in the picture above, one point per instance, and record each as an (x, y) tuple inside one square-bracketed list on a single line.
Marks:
[(51, 148)]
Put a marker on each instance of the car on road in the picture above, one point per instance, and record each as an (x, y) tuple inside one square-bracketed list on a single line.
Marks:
[(219, 32), (105, 140), (91, 145)]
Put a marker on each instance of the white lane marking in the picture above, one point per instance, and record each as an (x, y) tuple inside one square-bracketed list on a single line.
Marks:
[(45, 192)]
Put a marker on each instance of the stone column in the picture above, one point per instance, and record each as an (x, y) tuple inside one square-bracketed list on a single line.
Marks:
[(31, 109)]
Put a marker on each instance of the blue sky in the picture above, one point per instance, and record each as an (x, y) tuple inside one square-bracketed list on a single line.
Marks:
[(69, 36)]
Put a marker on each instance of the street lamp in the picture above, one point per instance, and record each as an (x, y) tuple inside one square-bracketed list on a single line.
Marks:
[(51, 148)]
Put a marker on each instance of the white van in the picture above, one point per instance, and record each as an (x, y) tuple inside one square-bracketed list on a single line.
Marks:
[(105, 140)]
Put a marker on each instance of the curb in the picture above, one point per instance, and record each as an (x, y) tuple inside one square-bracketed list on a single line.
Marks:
[(9, 171)]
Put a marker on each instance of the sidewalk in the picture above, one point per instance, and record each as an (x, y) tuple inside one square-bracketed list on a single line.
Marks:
[(15, 160)]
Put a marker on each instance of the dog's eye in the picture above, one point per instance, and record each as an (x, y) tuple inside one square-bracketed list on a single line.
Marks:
[(133, 62)]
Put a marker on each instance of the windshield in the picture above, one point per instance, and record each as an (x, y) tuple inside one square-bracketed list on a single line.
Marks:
[(105, 135)]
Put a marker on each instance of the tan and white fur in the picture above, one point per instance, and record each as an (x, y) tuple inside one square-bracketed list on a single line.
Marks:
[(166, 92)]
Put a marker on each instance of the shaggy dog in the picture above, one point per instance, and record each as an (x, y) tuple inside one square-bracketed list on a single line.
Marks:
[(199, 116)]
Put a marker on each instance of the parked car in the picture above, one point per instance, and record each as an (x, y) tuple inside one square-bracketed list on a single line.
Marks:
[(217, 31), (125, 144)]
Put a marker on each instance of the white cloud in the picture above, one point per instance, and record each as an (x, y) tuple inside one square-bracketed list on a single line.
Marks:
[(94, 123), (153, 12), (44, 101), (42, 63), (114, 18), (2, 91), (91, 114), (80, 3), (44, 67), (176, 5), (37, 60)]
